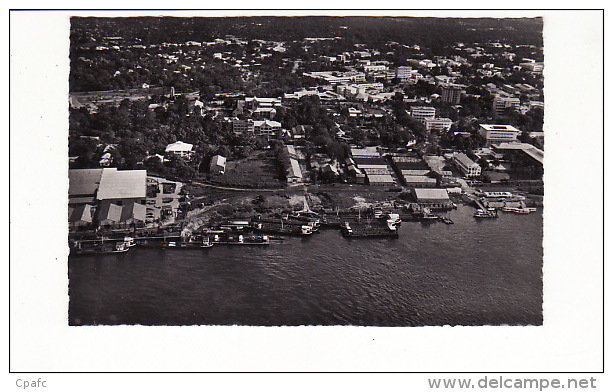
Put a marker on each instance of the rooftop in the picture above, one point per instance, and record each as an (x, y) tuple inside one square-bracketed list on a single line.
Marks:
[(122, 184), (431, 193), (179, 147), (83, 181), (498, 127)]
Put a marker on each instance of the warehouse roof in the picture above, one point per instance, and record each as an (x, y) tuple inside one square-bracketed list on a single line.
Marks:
[(83, 182), (431, 194), (122, 184), (380, 178)]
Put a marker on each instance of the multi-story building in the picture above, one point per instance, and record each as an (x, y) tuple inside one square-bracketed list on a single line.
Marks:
[(374, 68), (421, 113), (242, 126), (266, 127), (253, 103), (468, 167), (438, 124), (502, 102), (495, 133), (534, 67), (452, 93)]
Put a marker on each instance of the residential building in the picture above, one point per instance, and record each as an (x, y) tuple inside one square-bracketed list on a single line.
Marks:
[(495, 133), (180, 149), (299, 131), (218, 165), (468, 167)]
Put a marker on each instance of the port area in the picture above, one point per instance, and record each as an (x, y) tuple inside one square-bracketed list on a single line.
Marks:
[(260, 217)]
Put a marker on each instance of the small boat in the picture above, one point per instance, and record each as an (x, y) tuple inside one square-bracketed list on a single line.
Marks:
[(446, 220), (129, 241)]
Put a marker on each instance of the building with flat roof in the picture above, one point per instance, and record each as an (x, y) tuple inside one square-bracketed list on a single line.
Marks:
[(496, 133), (421, 113), (452, 93), (242, 126), (438, 124), (502, 102)]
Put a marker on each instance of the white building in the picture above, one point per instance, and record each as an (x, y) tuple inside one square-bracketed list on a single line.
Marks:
[(495, 133), (468, 167), (502, 102), (422, 113), (438, 124), (266, 127), (218, 165), (181, 149)]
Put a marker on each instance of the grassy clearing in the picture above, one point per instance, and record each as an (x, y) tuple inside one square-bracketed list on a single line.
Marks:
[(259, 170)]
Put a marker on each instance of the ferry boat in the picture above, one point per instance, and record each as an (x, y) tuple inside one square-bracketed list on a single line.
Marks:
[(366, 230), (240, 239), (193, 242), (486, 214), (519, 210), (99, 248)]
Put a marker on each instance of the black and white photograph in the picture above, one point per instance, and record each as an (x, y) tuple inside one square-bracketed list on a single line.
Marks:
[(325, 191), (372, 171)]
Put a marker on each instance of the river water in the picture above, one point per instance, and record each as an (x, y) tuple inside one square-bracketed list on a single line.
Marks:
[(486, 272)]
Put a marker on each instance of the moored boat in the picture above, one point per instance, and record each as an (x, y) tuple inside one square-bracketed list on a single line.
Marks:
[(485, 214)]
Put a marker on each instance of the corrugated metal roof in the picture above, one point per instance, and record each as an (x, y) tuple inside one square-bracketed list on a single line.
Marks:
[(122, 184), (109, 212), (464, 160), (295, 169), (431, 194), (81, 213), (134, 211), (381, 178), (83, 181)]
